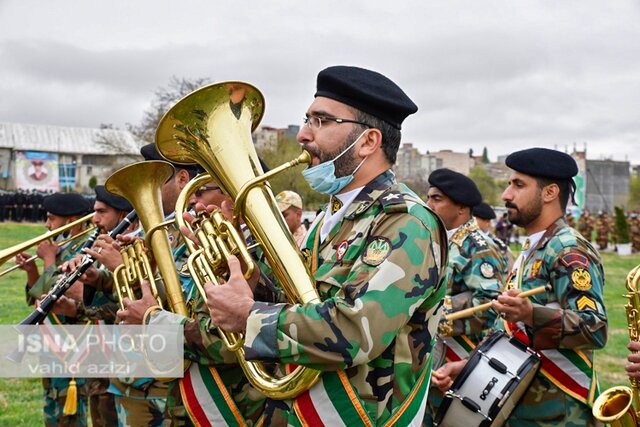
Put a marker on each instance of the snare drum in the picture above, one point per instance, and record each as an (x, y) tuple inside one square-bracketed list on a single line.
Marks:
[(490, 385)]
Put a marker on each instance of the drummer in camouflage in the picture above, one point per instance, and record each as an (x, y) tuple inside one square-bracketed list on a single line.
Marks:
[(566, 323)]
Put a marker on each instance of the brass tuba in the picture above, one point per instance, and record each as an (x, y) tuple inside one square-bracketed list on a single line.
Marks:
[(212, 127), (618, 406), (141, 184)]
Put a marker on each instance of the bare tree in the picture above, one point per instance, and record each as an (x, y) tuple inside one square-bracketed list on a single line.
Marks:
[(164, 98)]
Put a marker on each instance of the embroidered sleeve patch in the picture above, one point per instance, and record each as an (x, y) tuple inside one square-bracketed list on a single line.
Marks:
[(535, 268), (487, 270), (586, 302), (575, 260), (581, 279), (376, 251)]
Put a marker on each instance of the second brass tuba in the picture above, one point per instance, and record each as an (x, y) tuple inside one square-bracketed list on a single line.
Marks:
[(212, 127), (141, 184)]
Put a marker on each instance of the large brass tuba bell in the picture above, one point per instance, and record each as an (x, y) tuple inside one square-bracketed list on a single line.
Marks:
[(618, 406), (212, 127), (141, 184)]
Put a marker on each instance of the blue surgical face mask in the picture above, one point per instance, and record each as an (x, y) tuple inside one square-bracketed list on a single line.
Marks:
[(322, 178)]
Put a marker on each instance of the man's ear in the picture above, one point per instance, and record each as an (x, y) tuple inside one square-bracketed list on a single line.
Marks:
[(182, 178), (371, 142), (550, 192)]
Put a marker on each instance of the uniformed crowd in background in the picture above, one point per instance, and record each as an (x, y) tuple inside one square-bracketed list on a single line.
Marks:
[(386, 266), (23, 205)]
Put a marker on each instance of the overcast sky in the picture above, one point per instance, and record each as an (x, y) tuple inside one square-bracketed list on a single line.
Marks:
[(502, 74)]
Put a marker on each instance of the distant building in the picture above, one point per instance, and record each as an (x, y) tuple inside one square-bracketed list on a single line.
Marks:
[(61, 158), (266, 137), (607, 185), (459, 162)]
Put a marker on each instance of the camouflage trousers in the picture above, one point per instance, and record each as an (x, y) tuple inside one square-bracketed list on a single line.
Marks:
[(545, 405), (55, 397), (102, 405), (133, 412)]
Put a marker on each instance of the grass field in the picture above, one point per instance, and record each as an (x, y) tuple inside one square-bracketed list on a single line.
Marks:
[(21, 403)]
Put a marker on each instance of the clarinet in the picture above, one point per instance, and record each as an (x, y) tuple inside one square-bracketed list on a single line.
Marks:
[(65, 282)]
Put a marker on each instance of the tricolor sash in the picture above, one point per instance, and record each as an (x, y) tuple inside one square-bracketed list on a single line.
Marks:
[(457, 348), (206, 398), (569, 370), (333, 401)]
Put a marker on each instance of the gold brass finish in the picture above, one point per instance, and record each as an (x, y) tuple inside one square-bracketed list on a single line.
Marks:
[(141, 184), (618, 406), (7, 254), (212, 127)]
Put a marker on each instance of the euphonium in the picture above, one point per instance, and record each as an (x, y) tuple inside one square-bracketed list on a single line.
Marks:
[(141, 184), (618, 406), (212, 127)]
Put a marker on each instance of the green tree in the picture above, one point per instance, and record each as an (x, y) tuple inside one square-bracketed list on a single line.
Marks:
[(634, 193), (622, 226), (485, 156), (93, 181), (486, 184)]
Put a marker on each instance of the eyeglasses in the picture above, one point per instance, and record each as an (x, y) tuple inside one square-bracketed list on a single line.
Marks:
[(315, 122), (199, 191)]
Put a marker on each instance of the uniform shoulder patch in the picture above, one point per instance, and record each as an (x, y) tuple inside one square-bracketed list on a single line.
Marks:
[(574, 259), (393, 201), (581, 279), (376, 251), (487, 270)]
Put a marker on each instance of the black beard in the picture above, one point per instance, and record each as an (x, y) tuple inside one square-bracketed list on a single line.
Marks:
[(526, 215), (347, 163)]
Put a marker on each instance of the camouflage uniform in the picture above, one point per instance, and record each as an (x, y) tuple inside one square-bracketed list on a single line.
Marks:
[(55, 389), (142, 401), (571, 221), (571, 317), (204, 347), (585, 225), (603, 228), (475, 274), (634, 232), (379, 275)]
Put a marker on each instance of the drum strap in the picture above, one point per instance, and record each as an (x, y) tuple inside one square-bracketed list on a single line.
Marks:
[(569, 370), (206, 398), (334, 401)]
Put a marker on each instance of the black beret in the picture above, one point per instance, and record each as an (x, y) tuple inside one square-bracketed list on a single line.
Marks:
[(66, 204), (115, 201), (484, 211), (543, 162), (150, 152), (458, 187), (367, 91)]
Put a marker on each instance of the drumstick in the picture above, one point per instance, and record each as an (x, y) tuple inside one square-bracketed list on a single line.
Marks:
[(482, 307)]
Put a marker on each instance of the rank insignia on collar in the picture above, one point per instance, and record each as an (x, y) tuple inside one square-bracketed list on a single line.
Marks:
[(306, 256), (535, 268), (581, 279), (341, 249), (184, 270), (586, 302), (336, 204), (377, 251), (487, 270)]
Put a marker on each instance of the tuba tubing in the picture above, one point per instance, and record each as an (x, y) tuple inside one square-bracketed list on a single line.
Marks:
[(212, 127)]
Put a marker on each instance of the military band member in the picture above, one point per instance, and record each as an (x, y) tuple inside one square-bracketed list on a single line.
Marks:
[(61, 208), (566, 323), (377, 256), (585, 225), (95, 299), (476, 269), (484, 214), (290, 205)]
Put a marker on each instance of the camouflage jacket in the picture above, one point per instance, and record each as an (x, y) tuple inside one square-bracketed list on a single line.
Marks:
[(49, 276), (570, 316), (379, 276), (476, 273)]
